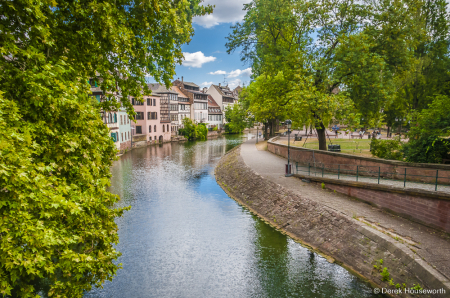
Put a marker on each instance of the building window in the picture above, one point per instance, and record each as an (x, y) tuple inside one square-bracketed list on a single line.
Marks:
[(139, 129), (136, 102), (139, 116), (152, 115), (163, 128), (149, 101), (149, 128), (167, 127), (154, 102), (154, 129), (200, 106), (128, 135)]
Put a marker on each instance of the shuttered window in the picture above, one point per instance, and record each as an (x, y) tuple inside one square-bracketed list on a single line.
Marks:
[(139, 116)]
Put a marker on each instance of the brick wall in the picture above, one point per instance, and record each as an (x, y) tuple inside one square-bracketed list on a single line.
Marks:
[(367, 166), (425, 207)]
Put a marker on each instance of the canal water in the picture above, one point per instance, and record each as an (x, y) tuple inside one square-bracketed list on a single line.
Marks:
[(184, 237)]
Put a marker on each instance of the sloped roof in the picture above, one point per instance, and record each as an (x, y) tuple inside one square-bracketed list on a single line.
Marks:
[(191, 84), (224, 91), (179, 92), (213, 107), (212, 102), (238, 89), (159, 88)]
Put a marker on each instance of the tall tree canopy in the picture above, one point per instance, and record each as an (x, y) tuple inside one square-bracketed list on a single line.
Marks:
[(335, 57), (57, 227)]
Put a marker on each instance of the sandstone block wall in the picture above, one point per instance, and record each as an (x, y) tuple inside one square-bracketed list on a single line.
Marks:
[(430, 208), (350, 242)]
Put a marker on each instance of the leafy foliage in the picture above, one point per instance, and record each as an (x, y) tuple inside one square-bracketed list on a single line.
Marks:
[(387, 149), (57, 229), (193, 131), (428, 139), (385, 59), (202, 131), (237, 117)]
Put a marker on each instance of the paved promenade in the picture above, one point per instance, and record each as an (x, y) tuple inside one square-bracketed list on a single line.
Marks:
[(429, 244)]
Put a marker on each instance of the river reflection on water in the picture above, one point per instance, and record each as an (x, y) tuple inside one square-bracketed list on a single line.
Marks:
[(184, 237)]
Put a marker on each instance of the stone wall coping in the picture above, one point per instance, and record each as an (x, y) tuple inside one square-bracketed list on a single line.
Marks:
[(435, 195), (397, 163)]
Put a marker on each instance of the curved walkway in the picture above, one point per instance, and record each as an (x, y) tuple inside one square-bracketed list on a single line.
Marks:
[(429, 244), (303, 170)]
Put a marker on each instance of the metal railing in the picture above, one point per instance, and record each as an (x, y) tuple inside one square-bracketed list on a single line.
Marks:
[(374, 174)]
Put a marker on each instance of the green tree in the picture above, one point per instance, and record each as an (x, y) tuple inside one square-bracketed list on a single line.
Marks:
[(193, 131), (371, 52), (237, 117), (202, 131), (57, 230), (429, 137)]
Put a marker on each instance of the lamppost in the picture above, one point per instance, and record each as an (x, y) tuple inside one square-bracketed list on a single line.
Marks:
[(288, 166)]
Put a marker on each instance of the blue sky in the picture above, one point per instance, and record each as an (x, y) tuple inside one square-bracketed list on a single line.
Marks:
[(206, 53)]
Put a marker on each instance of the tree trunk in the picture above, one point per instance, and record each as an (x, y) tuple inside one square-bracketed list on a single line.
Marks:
[(272, 134), (388, 129), (266, 128), (321, 136)]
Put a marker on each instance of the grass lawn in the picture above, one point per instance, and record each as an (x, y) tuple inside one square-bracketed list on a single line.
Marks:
[(354, 146)]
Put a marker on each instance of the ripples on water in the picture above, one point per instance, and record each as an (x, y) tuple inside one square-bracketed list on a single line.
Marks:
[(184, 237)]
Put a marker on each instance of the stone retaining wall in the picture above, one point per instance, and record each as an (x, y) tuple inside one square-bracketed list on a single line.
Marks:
[(350, 242), (367, 166), (427, 207)]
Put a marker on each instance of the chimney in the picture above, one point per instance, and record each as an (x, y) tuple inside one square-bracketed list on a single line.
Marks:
[(219, 84), (182, 79), (204, 89)]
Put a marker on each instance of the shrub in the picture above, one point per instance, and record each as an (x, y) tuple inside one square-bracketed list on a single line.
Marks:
[(202, 131), (427, 149), (214, 128), (427, 138), (387, 149)]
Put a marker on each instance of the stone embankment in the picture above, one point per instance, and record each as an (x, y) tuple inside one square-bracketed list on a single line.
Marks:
[(353, 244)]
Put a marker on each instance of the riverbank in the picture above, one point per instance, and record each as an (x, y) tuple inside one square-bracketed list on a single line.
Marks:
[(359, 237)]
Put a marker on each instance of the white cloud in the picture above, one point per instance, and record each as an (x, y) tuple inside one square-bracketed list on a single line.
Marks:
[(196, 59), (218, 72), (235, 73), (229, 11), (206, 84), (234, 83)]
